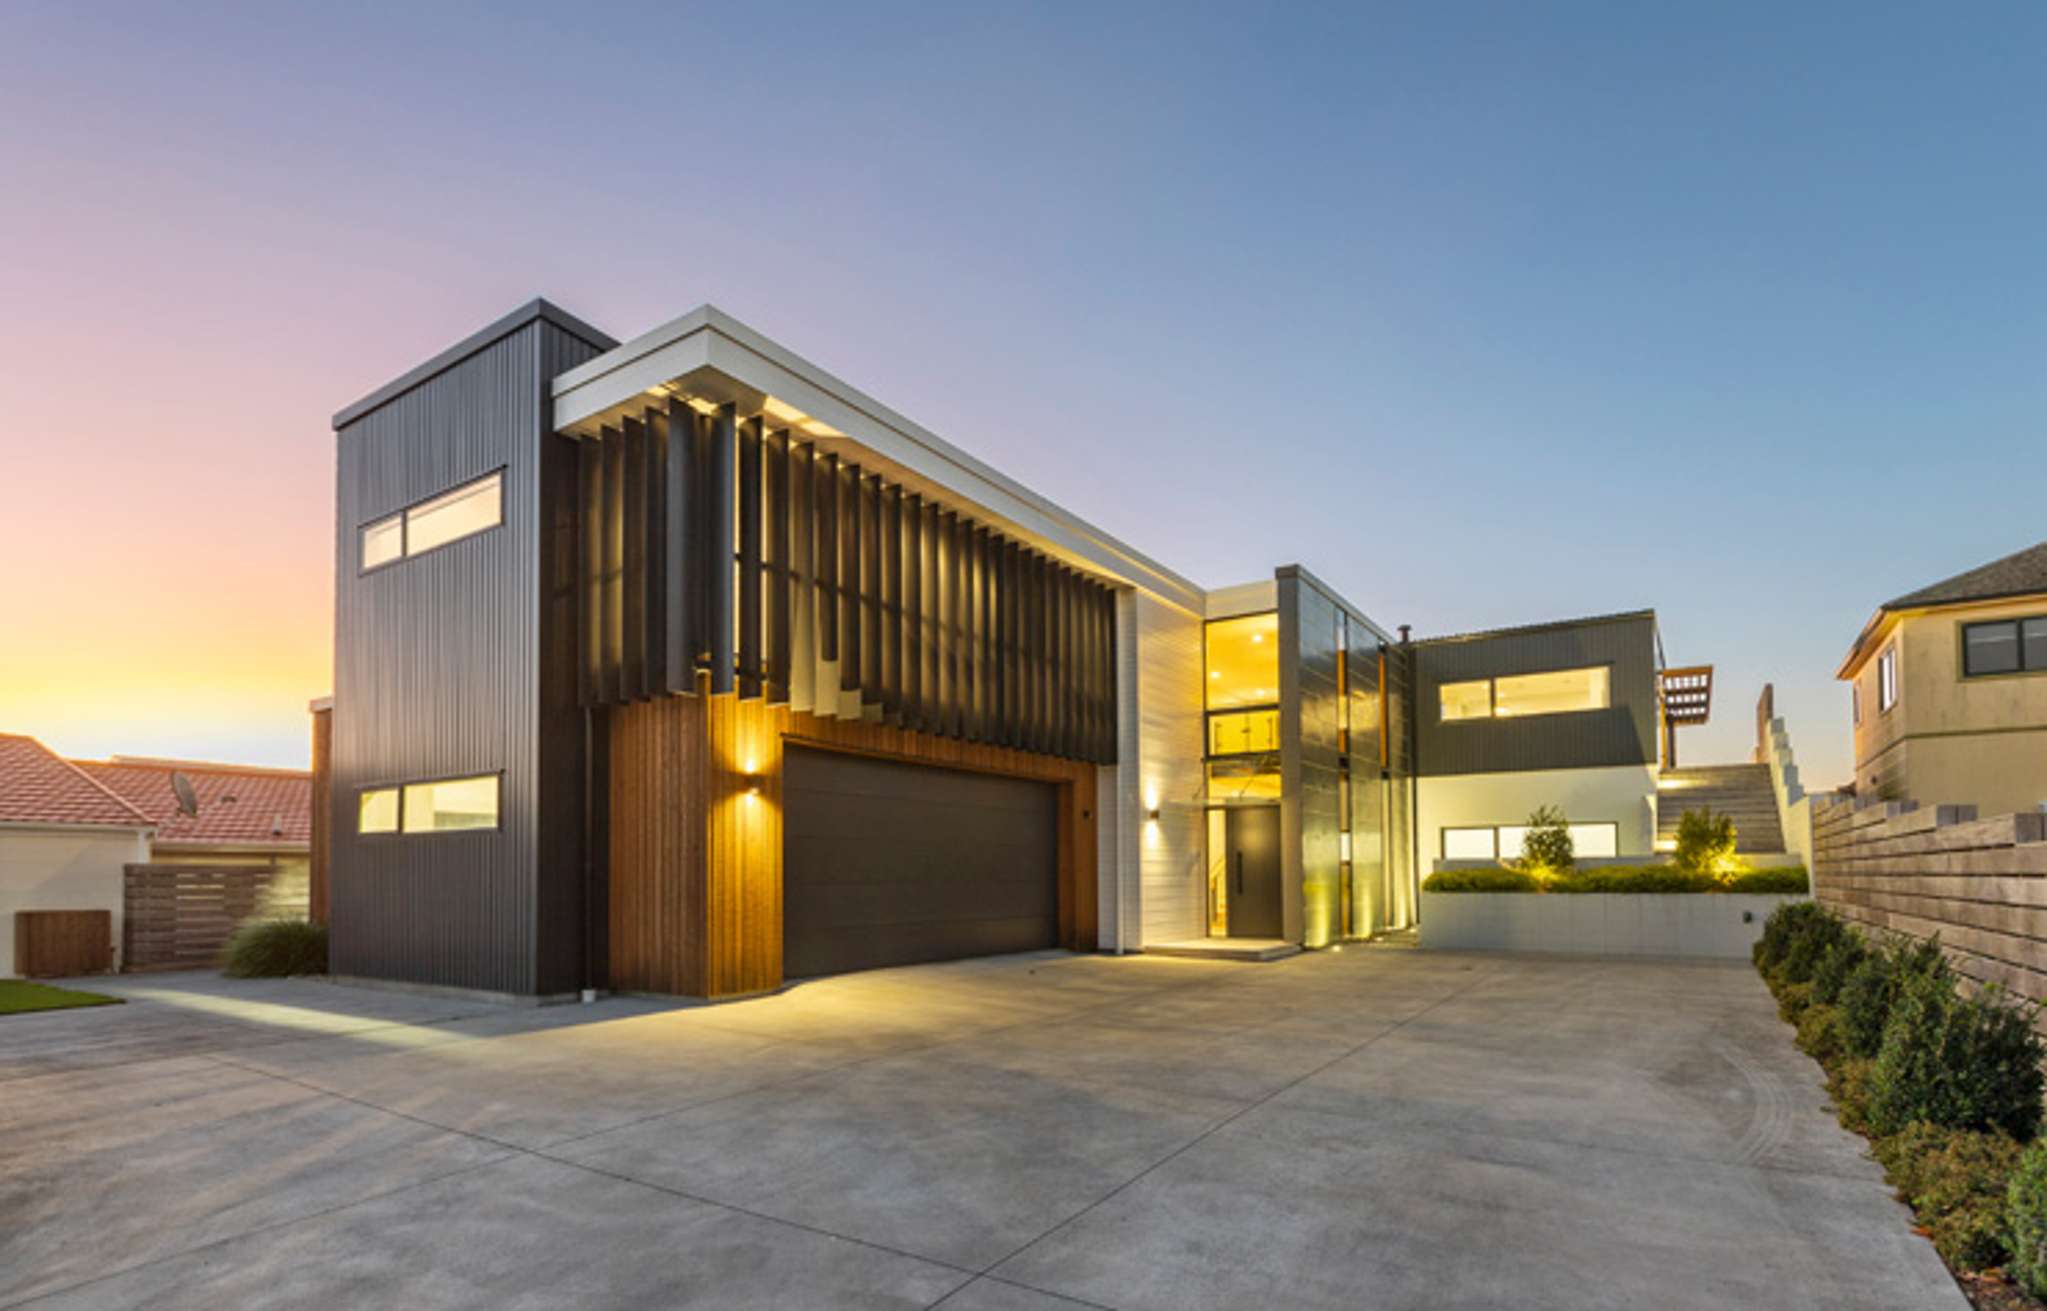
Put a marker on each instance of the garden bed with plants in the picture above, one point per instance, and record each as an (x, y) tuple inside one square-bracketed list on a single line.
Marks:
[(1943, 1079), (1704, 862)]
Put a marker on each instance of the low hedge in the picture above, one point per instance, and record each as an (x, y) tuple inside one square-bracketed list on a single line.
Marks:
[(1946, 1085), (1614, 878)]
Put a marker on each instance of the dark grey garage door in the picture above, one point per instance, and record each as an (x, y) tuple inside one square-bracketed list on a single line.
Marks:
[(889, 864)]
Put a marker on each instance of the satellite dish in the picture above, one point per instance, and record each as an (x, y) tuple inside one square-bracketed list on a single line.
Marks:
[(188, 800)]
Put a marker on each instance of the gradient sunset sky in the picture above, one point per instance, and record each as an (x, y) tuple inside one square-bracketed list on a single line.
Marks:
[(1488, 314)]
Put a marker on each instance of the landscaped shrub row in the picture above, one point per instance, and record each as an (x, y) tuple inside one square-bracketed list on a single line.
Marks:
[(1614, 878), (1945, 1083)]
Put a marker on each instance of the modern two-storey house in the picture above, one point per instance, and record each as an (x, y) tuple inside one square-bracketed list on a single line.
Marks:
[(682, 666)]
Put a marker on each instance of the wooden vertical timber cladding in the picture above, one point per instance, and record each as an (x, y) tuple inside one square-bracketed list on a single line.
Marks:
[(1979, 884), (179, 917), (715, 545), (320, 856), (55, 944), (696, 853)]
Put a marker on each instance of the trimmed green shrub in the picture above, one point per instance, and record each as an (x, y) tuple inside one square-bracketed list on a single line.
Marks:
[(1792, 1000), (1705, 843), (1547, 846), (1786, 923), (1835, 965), (1791, 879), (1820, 1032), (1848, 1086), (1956, 1181), (273, 949), (1872, 987), (1480, 880), (1818, 936), (1961, 1062), (2025, 1219)]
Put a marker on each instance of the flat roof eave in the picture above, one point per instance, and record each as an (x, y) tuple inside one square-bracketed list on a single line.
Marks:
[(709, 353)]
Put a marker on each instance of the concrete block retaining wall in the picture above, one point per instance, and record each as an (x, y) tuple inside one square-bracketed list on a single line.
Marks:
[(1712, 925)]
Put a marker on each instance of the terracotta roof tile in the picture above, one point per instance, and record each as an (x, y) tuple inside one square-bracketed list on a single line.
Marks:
[(238, 804), (37, 786)]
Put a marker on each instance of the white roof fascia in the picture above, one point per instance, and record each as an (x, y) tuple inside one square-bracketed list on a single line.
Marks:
[(708, 340)]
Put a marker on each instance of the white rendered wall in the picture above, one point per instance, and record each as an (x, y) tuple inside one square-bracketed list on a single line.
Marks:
[(1623, 794), (63, 869)]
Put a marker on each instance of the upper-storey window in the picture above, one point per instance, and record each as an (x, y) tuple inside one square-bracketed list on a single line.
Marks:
[(451, 516), (1243, 661), (1887, 678), (2004, 646), (1558, 691)]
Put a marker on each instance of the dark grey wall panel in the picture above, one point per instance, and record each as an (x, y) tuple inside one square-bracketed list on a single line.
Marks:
[(1623, 734), (439, 665)]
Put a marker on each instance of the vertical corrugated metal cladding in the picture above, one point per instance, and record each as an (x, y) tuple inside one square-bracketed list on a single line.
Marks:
[(461, 661)]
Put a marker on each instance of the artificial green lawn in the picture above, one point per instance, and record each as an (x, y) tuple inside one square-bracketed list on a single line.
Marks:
[(18, 996)]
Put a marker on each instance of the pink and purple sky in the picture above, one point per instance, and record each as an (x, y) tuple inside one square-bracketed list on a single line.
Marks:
[(1487, 314)]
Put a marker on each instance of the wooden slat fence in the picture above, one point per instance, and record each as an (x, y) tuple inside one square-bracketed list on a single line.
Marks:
[(55, 944), (179, 917), (1980, 884)]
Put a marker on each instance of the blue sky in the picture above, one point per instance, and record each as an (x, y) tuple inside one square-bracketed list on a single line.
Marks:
[(1487, 314)]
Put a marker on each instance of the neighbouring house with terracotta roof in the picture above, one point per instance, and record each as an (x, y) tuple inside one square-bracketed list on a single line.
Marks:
[(247, 814), (65, 839), (1949, 690)]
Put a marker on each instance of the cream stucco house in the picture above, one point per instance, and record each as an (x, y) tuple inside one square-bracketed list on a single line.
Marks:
[(1949, 684)]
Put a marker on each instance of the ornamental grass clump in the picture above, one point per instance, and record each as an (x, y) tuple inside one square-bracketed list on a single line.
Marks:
[(275, 949)]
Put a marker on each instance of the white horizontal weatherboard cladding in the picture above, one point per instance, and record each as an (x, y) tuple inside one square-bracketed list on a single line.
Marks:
[(1169, 730)]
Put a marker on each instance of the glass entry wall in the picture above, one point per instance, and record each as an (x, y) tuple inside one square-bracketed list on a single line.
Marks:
[(1241, 761)]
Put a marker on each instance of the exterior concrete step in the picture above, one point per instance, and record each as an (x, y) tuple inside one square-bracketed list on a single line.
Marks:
[(1253, 949), (1743, 793)]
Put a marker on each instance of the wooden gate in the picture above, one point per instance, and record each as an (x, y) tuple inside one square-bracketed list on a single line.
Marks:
[(179, 917), (55, 944)]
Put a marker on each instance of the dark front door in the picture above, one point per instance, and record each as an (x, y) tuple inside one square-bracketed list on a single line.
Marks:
[(885, 863), (1254, 896)]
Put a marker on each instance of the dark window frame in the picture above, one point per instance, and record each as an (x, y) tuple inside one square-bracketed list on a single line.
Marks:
[(399, 786), (2017, 623), (403, 514)]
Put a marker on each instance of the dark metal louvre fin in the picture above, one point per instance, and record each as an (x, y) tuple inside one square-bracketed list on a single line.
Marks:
[(633, 571), (849, 578), (590, 571), (654, 652), (870, 591), (685, 574), (778, 561), (749, 493), (825, 510), (718, 536), (611, 648), (913, 612), (891, 563)]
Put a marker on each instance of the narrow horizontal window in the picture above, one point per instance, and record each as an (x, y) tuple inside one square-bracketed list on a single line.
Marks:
[(468, 509), (1558, 692), (377, 811), (1470, 844), (383, 541), (451, 804), (1473, 700)]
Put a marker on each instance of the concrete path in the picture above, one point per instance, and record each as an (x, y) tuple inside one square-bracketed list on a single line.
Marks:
[(1376, 1128)]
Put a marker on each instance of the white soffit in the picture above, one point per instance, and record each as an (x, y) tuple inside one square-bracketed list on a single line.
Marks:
[(709, 354)]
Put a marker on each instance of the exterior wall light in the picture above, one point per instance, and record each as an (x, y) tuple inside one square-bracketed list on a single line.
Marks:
[(1152, 814)]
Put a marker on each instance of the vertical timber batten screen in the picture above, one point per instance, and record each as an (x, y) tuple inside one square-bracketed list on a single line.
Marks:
[(716, 544)]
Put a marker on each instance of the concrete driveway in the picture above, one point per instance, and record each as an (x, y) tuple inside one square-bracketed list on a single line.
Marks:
[(1376, 1127)]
